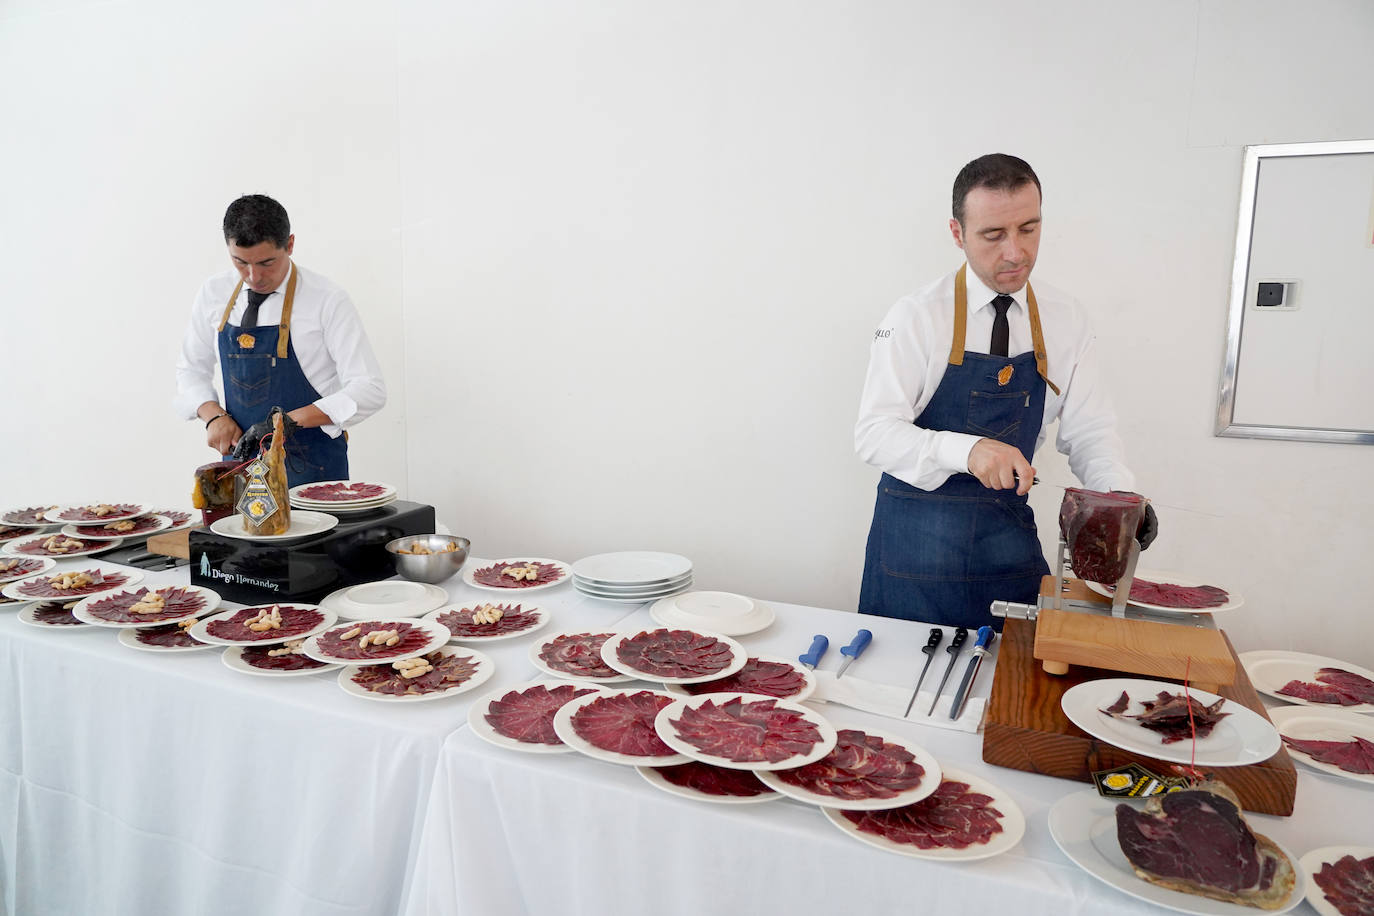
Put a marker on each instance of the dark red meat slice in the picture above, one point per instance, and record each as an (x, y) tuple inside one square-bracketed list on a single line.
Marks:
[(514, 619), (9, 532), (769, 679), (954, 817), (1167, 594), (41, 586), (179, 602), (623, 723), (412, 638), (294, 622), (56, 613), (1348, 884), (80, 514), (1335, 686), (449, 671), (38, 546), (491, 575), (527, 715), (340, 492), (674, 653), (257, 657), (747, 731), (1168, 714), (714, 780), (170, 636), (579, 655), (861, 767), (30, 516), (141, 524), (176, 516), (18, 567), (1352, 756)]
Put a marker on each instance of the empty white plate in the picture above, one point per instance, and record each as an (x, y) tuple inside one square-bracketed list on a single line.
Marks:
[(632, 567), (392, 598)]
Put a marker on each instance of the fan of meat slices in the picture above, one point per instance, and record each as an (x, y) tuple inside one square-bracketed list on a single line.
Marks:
[(58, 545), (520, 717), (179, 518), (369, 642), (285, 659), (125, 528), (746, 732), (442, 673), (704, 782), (1342, 880), (1175, 716), (866, 771), (342, 491), (169, 637), (72, 583), (95, 513), (263, 624), (576, 654), (486, 621), (518, 574), (673, 656), (765, 675), (147, 607), (616, 726), (32, 516), (12, 569), (12, 532), (55, 614)]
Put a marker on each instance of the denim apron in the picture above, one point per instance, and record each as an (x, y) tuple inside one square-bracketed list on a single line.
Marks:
[(944, 555), (260, 372)]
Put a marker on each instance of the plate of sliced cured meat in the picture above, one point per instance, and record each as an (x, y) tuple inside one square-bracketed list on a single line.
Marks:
[(517, 574), (520, 717), (57, 545), (1153, 718), (965, 818), (54, 614), (263, 624), (170, 637), (1310, 680), (1340, 880), (674, 656), (576, 654), (94, 513), (142, 526), (33, 516), (865, 771), (1174, 593), (13, 569), (68, 584), (177, 518), (704, 782), (371, 642), (488, 621), (765, 675), (279, 660), (147, 606), (1331, 740), (444, 672), (616, 726), (745, 731), (342, 492), (11, 532)]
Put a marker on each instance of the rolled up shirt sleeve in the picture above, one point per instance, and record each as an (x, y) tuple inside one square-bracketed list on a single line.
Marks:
[(362, 390)]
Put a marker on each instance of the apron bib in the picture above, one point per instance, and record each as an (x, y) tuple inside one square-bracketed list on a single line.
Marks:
[(260, 371), (944, 555)]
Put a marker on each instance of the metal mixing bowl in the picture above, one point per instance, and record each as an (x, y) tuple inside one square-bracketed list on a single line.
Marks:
[(429, 567)]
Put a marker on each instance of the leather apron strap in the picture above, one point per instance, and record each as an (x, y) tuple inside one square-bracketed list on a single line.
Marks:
[(283, 339), (956, 350)]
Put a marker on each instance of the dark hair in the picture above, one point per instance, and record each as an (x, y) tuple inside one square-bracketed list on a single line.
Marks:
[(254, 219), (996, 172)]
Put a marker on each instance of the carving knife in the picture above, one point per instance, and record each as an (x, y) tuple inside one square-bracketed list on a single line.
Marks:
[(812, 657), (955, 644), (936, 635), (985, 637), (854, 650)]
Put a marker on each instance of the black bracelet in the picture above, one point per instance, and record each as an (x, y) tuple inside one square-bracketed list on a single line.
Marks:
[(214, 418)]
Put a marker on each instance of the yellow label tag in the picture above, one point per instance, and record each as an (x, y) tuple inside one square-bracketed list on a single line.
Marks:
[(246, 341), (1004, 376)]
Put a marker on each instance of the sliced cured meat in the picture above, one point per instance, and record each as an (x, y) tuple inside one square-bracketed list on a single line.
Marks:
[(52, 586), (1174, 715), (1348, 884), (861, 767), (98, 512), (1198, 842), (447, 671), (169, 636), (176, 516), (1098, 527), (674, 653), (176, 601), (123, 529), (294, 621), (953, 817), (747, 731), (769, 679), (30, 516), (12, 568), (56, 614), (342, 492), (714, 780), (501, 575), (1352, 756), (261, 657), (1335, 686), (1167, 594), (410, 638), (623, 724), (58, 545), (527, 715), (579, 655), (514, 619), (10, 532)]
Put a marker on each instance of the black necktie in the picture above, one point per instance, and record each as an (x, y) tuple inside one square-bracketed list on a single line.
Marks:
[(250, 317), (1001, 331)]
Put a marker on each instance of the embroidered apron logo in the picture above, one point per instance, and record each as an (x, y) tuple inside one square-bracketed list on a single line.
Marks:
[(246, 341), (1004, 376)]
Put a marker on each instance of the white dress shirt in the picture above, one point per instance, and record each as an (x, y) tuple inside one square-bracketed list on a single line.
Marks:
[(907, 360), (326, 334)]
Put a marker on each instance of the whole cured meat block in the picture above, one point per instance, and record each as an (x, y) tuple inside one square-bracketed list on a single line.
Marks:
[(1198, 842), (623, 723), (176, 601), (674, 653), (1352, 756), (578, 655), (954, 817), (514, 619), (769, 679), (56, 614), (410, 639), (747, 732), (527, 715), (294, 622), (448, 671), (1348, 884), (861, 767), (170, 636), (1335, 686), (714, 780), (1176, 716), (1098, 527), (1167, 594), (498, 577)]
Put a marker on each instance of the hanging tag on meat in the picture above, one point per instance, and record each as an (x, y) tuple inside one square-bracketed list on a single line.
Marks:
[(1099, 527), (1133, 781), (264, 505)]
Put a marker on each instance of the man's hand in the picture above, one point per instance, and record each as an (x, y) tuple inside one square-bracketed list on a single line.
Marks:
[(1149, 527), (251, 442), (998, 465), (222, 434)]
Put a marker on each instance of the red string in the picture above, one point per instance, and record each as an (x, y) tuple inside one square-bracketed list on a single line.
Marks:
[(1192, 727)]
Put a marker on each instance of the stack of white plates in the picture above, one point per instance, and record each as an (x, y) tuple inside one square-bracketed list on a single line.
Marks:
[(338, 496), (632, 576)]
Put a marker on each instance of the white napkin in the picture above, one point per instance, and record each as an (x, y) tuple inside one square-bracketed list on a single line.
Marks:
[(887, 700)]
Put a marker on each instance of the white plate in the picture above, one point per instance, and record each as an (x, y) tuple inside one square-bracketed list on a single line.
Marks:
[(436, 633), (86, 532), (668, 732), (540, 613), (233, 660), (1013, 826), (192, 518), (296, 492), (654, 777), (930, 781), (1311, 724), (1172, 578), (200, 631), (83, 609), (1083, 823), (632, 567), (665, 612), (808, 688), (344, 510), (485, 668), (1312, 863), (14, 532), (131, 577), (738, 656), (15, 517), (129, 637), (562, 725), (26, 615), (57, 516), (477, 718), (326, 504), (1243, 737), (515, 561), (303, 524), (44, 564), (543, 666), (627, 591), (638, 599), (11, 548), (388, 599), (1272, 669)]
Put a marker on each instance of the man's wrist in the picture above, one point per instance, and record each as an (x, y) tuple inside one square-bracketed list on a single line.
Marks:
[(214, 418)]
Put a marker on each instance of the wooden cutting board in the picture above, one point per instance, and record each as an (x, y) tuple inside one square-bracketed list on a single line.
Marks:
[(172, 543), (1027, 730)]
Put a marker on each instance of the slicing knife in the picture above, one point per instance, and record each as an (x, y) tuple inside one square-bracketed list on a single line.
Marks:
[(936, 635), (854, 650), (985, 637), (812, 656), (955, 644)]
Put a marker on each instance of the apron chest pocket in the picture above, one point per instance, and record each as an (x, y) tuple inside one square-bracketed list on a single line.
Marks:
[(997, 415)]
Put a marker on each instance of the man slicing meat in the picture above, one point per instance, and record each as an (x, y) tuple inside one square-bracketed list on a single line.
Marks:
[(283, 337), (963, 377)]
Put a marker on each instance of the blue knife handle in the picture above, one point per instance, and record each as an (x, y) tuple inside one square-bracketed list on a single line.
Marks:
[(813, 655), (985, 635), (861, 641)]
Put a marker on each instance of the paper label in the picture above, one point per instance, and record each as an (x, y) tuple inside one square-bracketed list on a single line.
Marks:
[(1134, 781)]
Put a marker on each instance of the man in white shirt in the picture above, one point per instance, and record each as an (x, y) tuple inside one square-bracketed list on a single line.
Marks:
[(282, 336), (964, 376)]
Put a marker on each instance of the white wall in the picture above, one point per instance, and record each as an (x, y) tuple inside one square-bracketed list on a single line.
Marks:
[(641, 247)]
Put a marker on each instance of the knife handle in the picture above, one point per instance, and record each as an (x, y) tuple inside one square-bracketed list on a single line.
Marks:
[(933, 642), (861, 641), (985, 635), (960, 635), (813, 654)]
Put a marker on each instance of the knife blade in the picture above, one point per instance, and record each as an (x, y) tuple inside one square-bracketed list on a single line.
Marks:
[(932, 643), (960, 635), (854, 650), (812, 656), (980, 649)]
